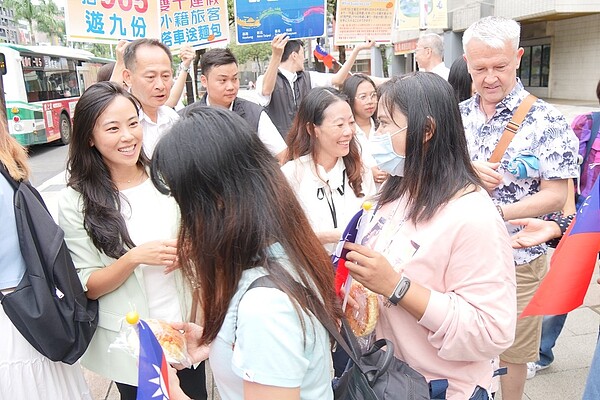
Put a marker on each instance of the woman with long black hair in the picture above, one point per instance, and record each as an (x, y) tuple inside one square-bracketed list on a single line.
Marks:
[(121, 232), (435, 248), (241, 221)]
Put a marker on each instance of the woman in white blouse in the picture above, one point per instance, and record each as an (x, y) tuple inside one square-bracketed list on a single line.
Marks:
[(362, 97), (325, 168), (120, 232)]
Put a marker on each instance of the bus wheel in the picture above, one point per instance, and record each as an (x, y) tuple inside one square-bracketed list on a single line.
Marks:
[(65, 129)]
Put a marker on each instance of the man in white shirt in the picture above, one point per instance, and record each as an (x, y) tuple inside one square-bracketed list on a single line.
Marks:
[(285, 83), (220, 77), (430, 53), (149, 75)]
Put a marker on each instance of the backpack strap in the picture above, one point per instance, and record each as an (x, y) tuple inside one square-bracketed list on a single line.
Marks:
[(593, 133), (512, 128), (9, 178)]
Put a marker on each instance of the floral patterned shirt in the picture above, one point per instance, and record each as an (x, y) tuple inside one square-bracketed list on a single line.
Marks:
[(545, 141)]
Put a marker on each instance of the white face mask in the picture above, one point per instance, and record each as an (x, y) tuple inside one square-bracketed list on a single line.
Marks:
[(383, 152)]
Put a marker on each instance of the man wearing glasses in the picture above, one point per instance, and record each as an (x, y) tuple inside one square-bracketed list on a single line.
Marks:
[(430, 53)]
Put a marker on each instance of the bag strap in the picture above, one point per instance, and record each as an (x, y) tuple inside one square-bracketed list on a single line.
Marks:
[(512, 128), (351, 346), (437, 387), (9, 178), (593, 133)]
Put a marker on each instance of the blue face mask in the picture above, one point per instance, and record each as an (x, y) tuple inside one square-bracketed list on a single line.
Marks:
[(383, 152)]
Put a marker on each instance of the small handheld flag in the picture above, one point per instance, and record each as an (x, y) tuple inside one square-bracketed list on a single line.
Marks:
[(572, 264), (153, 380), (351, 234), (321, 54)]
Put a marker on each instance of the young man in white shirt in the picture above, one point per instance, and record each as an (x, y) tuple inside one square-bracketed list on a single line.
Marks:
[(220, 77), (285, 83)]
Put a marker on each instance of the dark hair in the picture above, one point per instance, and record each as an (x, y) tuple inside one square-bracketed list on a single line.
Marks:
[(460, 79), (89, 175), (301, 139), (598, 91), (215, 58), (105, 72), (437, 160), (351, 85), (131, 50), (291, 46), (235, 202)]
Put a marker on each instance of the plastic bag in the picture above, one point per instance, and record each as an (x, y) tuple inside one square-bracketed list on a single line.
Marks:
[(362, 320), (171, 340)]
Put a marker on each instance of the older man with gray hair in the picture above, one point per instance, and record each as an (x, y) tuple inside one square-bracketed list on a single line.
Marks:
[(527, 177), (430, 54)]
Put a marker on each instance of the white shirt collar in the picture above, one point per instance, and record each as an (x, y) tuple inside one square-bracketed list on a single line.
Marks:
[(208, 102), (289, 75)]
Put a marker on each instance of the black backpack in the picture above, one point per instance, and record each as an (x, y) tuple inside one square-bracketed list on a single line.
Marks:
[(48, 307)]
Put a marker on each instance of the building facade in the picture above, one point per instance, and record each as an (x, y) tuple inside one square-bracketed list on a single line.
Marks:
[(561, 39), (9, 28)]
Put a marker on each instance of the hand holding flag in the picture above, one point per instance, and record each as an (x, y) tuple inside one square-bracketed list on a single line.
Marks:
[(153, 370), (352, 233), (572, 264), (321, 54)]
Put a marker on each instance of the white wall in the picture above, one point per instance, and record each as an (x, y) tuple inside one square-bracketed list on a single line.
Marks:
[(575, 58)]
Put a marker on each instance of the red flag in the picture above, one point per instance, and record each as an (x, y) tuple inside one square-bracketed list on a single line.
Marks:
[(572, 264), (324, 56)]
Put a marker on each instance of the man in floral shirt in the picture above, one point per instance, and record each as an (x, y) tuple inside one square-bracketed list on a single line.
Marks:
[(530, 180)]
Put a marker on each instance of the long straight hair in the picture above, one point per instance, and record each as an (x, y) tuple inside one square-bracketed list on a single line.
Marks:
[(437, 159), (235, 202), (301, 139), (12, 154), (90, 176)]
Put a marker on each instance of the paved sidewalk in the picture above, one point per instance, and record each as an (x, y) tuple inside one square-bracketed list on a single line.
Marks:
[(563, 380)]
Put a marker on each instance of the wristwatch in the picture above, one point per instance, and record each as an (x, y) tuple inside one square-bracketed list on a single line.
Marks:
[(183, 68), (400, 290)]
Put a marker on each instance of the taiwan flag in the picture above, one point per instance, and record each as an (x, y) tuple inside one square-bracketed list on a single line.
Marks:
[(322, 55), (572, 263), (153, 375)]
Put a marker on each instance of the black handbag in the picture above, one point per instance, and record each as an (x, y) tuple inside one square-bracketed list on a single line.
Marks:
[(376, 374), (48, 306)]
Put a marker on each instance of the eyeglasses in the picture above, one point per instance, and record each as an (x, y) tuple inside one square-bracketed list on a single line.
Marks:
[(421, 48), (364, 97)]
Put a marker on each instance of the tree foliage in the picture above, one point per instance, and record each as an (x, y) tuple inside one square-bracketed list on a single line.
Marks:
[(257, 52), (48, 21), (45, 15)]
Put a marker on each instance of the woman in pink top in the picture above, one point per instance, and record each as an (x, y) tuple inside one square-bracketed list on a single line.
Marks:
[(435, 248)]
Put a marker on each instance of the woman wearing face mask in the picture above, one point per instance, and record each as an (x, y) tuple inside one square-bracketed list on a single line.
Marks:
[(324, 166), (435, 248)]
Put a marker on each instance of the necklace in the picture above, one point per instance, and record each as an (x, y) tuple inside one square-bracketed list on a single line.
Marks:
[(135, 179)]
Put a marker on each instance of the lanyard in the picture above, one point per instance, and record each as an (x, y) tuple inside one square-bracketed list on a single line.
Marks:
[(322, 194)]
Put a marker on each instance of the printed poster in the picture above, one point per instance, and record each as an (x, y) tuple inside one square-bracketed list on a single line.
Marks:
[(421, 14), (199, 23), (358, 20), (175, 22), (107, 21), (260, 20)]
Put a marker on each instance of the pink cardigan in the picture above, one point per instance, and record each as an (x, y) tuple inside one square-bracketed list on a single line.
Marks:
[(463, 255)]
